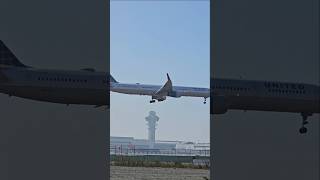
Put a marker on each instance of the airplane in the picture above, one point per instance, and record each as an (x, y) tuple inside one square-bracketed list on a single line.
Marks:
[(239, 94), (88, 87), (157, 92), (85, 86)]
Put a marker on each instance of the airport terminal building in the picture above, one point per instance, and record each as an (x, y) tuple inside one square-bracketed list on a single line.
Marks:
[(130, 145), (150, 146)]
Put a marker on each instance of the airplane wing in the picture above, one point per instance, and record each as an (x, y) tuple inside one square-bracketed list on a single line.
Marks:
[(165, 89), (163, 92), (168, 90)]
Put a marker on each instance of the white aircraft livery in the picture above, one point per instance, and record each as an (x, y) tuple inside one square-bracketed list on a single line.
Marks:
[(233, 94), (85, 86), (157, 92), (246, 95), (89, 87)]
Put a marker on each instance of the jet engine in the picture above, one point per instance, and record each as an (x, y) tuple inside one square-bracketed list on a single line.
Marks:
[(161, 98)]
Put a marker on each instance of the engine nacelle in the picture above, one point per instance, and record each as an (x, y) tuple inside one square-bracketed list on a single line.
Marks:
[(161, 98), (218, 105), (174, 94)]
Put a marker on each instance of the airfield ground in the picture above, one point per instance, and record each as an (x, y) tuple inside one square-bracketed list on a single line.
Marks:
[(156, 173)]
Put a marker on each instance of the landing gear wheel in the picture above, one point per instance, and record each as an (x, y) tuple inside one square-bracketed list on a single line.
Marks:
[(205, 101), (152, 101), (303, 130)]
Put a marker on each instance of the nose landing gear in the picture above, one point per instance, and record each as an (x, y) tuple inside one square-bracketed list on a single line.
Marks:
[(303, 129), (205, 101)]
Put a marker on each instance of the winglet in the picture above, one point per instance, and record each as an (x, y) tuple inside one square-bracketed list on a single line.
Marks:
[(112, 79), (168, 77), (165, 89)]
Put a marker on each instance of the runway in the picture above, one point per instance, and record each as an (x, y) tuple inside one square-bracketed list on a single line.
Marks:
[(156, 173)]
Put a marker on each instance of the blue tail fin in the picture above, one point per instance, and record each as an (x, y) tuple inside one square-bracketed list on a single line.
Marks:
[(7, 57)]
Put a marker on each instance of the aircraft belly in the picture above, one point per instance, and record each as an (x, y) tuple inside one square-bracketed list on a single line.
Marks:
[(272, 104), (195, 94), (134, 91), (59, 95)]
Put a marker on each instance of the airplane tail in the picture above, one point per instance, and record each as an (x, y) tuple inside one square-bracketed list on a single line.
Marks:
[(7, 57), (112, 79)]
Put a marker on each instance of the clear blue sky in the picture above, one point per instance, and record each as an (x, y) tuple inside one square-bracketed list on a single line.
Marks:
[(148, 40)]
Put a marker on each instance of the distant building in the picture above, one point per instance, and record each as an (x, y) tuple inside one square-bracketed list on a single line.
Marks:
[(130, 145)]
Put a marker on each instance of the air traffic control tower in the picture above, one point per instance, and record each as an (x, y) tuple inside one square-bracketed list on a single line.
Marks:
[(152, 123)]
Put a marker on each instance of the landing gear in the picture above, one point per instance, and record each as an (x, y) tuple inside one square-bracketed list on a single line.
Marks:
[(303, 129), (205, 101), (152, 101)]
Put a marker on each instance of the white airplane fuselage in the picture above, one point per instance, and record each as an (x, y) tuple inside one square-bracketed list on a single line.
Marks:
[(233, 94), (92, 88), (264, 96), (57, 86), (146, 89)]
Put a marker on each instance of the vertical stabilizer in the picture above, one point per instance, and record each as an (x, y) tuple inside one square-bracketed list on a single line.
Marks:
[(7, 57), (112, 79)]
